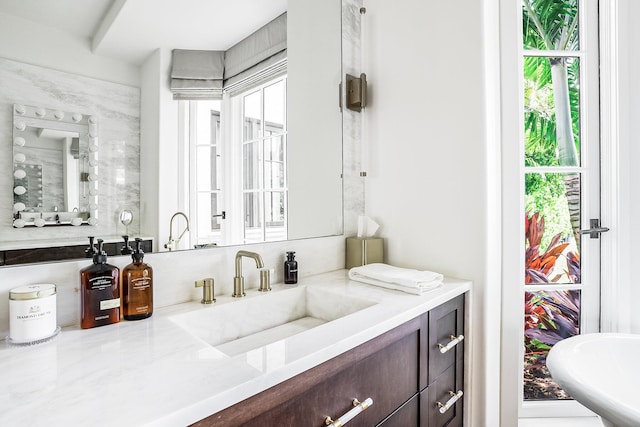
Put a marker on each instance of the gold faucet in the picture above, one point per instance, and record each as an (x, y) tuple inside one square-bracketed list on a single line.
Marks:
[(238, 280)]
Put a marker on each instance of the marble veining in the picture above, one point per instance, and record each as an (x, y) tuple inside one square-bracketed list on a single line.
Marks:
[(154, 373), (118, 110)]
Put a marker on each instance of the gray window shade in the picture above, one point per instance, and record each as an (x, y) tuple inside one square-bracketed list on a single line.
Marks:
[(197, 74), (201, 74), (254, 52)]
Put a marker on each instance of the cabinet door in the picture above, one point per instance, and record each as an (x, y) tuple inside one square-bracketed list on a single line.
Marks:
[(408, 415), (438, 394), (389, 377), (445, 321), (385, 369)]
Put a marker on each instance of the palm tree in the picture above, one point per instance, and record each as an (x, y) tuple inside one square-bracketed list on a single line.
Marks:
[(553, 25)]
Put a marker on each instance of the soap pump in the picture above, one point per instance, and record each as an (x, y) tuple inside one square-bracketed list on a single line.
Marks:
[(126, 249), (90, 251), (291, 269), (100, 291), (137, 286)]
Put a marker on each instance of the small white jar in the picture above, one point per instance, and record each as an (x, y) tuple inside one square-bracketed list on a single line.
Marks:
[(32, 313)]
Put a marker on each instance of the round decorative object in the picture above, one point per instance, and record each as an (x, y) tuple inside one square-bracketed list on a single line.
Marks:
[(76, 221), (19, 207), (19, 141), (19, 173), (93, 207), (93, 162), (20, 125), (92, 177), (19, 190), (93, 131), (58, 114), (41, 112), (19, 223), (19, 158), (76, 117), (93, 148), (92, 221), (93, 120), (39, 222), (19, 109), (93, 191)]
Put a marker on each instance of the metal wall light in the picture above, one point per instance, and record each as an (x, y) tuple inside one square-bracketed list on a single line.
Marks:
[(356, 96)]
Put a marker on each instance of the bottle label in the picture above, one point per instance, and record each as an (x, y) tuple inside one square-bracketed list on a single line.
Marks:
[(109, 303), (100, 283), (140, 283)]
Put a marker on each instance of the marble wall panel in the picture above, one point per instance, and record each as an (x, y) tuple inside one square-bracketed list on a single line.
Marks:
[(118, 110)]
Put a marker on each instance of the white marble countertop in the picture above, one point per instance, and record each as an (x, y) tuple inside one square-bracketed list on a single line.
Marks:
[(153, 372)]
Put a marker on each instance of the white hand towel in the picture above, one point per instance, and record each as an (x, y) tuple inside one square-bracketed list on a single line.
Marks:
[(402, 279)]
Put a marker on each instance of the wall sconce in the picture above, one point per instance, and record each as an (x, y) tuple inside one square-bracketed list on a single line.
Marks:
[(356, 96)]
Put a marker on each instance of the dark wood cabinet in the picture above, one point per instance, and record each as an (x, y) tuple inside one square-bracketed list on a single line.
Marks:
[(393, 369)]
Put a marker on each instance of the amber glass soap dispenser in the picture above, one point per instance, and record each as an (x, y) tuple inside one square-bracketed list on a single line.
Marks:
[(137, 286), (100, 291)]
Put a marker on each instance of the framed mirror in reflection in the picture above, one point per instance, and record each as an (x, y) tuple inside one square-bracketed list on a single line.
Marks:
[(55, 166)]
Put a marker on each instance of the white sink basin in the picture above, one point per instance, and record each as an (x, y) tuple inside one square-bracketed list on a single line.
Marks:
[(240, 325), (601, 372)]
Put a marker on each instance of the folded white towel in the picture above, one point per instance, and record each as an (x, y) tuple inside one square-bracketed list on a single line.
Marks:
[(401, 279)]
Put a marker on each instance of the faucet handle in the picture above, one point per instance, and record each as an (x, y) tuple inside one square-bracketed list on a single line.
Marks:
[(207, 290), (265, 280)]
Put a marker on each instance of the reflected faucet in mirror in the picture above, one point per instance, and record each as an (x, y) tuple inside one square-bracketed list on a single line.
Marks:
[(173, 243)]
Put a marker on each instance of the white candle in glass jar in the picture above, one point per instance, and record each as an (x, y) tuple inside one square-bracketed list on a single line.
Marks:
[(32, 312)]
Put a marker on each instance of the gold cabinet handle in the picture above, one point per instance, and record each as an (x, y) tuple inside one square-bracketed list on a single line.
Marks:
[(452, 400), (358, 407), (454, 341)]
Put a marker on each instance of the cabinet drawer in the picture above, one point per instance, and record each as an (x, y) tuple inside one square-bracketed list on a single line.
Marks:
[(439, 393), (408, 415), (445, 321), (385, 369)]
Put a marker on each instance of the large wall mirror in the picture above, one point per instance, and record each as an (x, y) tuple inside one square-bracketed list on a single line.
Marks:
[(300, 166)]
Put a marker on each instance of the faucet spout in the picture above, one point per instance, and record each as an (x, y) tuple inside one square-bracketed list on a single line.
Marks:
[(238, 280), (173, 243)]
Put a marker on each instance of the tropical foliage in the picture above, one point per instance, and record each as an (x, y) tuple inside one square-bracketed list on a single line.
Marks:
[(549, 318), (552, 139), (541, 265)]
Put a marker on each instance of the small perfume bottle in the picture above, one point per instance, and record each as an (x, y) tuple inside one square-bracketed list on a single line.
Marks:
[(291, 269)]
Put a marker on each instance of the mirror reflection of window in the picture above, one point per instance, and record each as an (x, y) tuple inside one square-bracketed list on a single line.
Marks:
[(238, 145)]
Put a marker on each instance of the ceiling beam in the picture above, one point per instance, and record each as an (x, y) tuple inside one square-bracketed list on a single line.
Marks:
[(106, 24)]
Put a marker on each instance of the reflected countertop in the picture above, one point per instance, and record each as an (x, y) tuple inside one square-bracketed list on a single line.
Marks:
[(153, 372)]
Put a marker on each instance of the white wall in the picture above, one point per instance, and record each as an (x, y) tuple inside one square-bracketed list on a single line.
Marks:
[(36, 44), (629, 152), (159, 144), (432, 181)]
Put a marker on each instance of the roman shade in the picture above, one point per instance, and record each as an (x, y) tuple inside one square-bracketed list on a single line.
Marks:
[(201, 74), (259, 51), (197, 74)]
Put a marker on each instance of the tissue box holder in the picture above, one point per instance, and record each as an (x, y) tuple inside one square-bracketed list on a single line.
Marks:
[(364, 250)]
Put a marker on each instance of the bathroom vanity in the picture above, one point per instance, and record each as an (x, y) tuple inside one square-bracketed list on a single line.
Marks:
[(403, 371), (297, 354)]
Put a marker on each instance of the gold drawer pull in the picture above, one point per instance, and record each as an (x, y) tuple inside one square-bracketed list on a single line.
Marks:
[(454, 341), (452, 400), (358, 407)]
